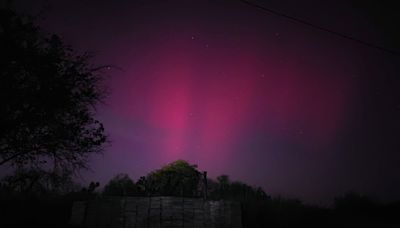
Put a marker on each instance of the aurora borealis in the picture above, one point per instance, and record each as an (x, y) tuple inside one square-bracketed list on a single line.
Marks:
[(240, 92)]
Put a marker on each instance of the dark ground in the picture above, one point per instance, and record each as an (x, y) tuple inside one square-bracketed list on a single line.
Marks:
[(55, 212)]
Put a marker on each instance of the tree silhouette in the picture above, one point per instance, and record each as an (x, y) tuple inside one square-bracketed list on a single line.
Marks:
[(39, 182), (48, 95), (224, 183), (224, 188), (121, 185), (178, 178)]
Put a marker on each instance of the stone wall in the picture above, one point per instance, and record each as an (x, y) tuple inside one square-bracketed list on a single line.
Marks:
[(156, 212)]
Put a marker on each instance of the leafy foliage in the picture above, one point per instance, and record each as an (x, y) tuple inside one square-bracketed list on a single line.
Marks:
[(121, 185), (38, 182), (48, 94), (223, 188), (178, 178)]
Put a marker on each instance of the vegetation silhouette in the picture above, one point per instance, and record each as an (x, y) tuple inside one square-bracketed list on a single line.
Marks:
[(180, 178), (258, 208), (48, 94), (121, 185)]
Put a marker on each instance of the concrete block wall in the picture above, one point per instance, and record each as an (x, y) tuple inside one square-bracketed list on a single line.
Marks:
[(156, 212)]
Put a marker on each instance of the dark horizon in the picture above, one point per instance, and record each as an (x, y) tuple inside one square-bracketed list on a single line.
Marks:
[(237, 91)]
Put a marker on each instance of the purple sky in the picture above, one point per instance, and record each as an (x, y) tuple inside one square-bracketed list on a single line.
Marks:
[(238, 91)]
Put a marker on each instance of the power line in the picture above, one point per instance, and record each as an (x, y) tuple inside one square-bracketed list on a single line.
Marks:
[(309, 24)]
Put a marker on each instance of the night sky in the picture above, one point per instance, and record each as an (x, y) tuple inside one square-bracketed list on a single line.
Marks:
[(238, 91)]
